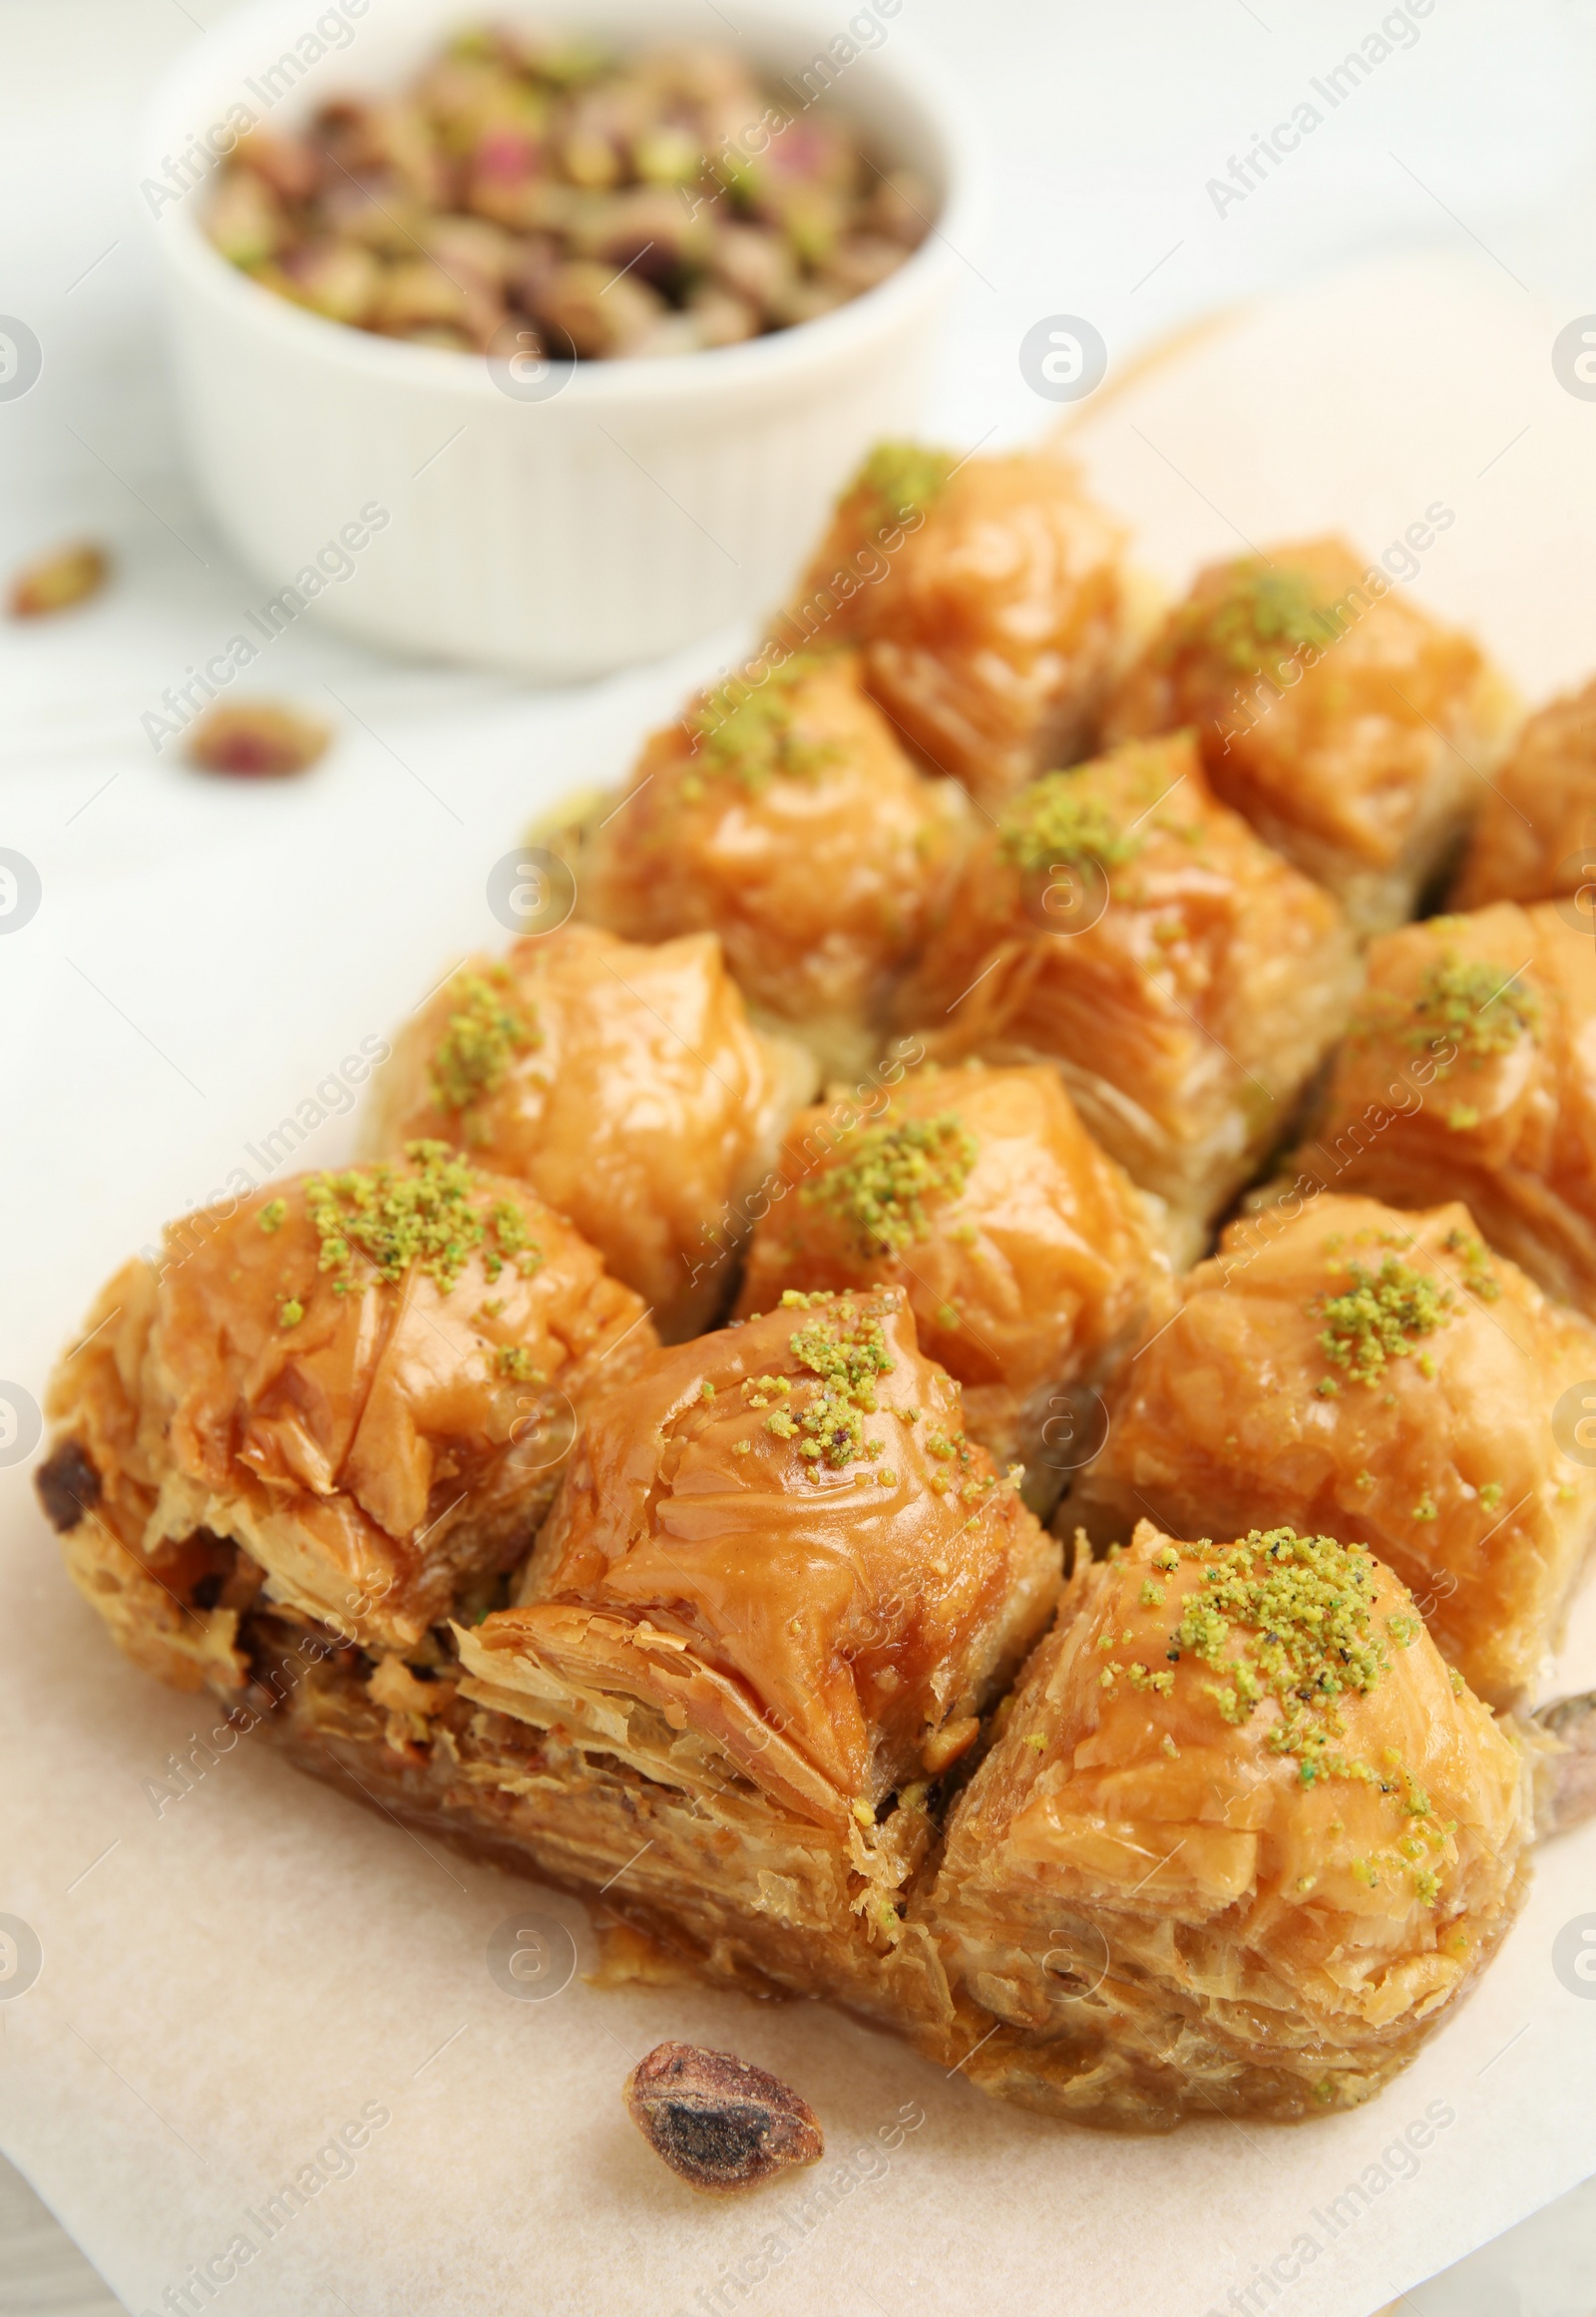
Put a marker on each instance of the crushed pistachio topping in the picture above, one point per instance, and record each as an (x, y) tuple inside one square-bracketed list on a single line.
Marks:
[(1479, 1277), (1261, 618), (1490, 1495), (515, 1361), (754, 734), (291, 1314), (429, 1218), (845, 1350), (1378, 1317), (901, 479), (484, 1035), (883, 1190), (1053, 823), (273, 1215), (1468, 1003), (1285, 1617)]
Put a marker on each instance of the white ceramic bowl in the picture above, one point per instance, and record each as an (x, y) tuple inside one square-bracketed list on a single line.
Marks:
[(645, 503)]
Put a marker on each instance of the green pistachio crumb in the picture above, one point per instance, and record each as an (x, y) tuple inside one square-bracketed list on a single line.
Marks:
[(756, 735), (901, 479), (429, 1216), (1468, 1003), (892, 1173), (1479, 1277), (1288, 1617), (484, 1035), (1055, 823), (1374, 1319), (273, 1215), (1261, 617), (845, 1349)]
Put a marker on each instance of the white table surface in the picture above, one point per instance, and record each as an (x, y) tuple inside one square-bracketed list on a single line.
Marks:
[(1106, 122)]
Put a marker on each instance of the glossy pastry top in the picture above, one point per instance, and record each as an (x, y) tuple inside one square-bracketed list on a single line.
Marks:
[(366, 1377), (1471, 1069), (1262, 1732), (793, 1506), (1377, 1377), (788, 819), (1533, 836), (623, 1082), (991, 601), (1321, 696), (1027, 1256), (1121, 918)]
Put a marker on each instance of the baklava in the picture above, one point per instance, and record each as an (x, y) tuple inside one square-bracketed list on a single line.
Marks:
[(1376, 1377), (1536, 838), (625, 1083), (1470, 1073), (991, 602), (1244, 1840), (1031, 1263), (1351, 729), (787, 819), (1121, 924), (345, 1402), (779, 1593)]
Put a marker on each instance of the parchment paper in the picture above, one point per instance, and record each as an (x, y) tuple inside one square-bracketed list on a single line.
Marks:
[(249, 1983)]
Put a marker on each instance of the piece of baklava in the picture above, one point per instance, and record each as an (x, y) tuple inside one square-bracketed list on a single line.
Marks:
[(345, 1402), (1379, 1378), (1537, 834), (625, 1083), (1031, 1263), (1121, 924), (991, 601), (1470, 1073), (778, 1593), (787, 819), (1351, 728), (1242, 1843)]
